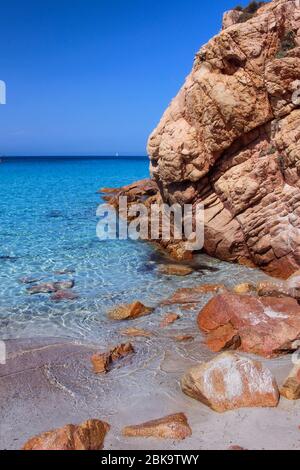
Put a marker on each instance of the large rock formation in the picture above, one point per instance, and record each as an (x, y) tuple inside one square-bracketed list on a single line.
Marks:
[(231, 139)]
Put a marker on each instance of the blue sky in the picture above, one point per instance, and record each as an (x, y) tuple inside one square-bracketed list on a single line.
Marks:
[(92, 77)]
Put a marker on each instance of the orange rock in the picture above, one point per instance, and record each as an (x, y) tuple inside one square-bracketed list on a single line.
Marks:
[(87, 436), (100, 363), (175, 270), (267, 326), (183, 338), (291, 386), (120, 351), (170, 427), (129, 311), (231, 381), (244, 288), (136, 332), (169, 319), (190, 295)]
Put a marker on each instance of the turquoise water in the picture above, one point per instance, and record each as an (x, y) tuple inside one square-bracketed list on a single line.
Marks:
[(48, 224)]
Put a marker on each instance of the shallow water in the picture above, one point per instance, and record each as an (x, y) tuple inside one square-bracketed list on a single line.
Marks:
[(48, 224)]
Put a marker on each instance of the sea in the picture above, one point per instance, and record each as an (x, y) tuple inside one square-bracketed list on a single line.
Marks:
[(48, 233)]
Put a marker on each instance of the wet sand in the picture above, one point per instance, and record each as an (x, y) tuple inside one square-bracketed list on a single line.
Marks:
[(48, 382)]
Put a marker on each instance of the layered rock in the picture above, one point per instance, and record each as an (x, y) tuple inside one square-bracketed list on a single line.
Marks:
[(267, 326), (230, 381), (231, 140)]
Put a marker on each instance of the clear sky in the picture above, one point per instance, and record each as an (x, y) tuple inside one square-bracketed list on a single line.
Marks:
[(92, 77)]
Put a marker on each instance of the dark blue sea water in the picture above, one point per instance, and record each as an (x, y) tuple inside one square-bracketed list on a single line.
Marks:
[(48, 224)]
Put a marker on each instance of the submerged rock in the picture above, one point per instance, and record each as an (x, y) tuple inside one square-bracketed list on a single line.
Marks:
[(86, 436), (183, 338), (231, 381), (49, 287), (136, 332), (267, 326), (46, 288), (291, 386), (170, 427), (169, 319), (189, 295), (62, 295), (175, 270), (129, 311)]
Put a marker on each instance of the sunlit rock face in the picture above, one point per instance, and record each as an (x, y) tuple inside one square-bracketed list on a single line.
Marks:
[(231, 139)]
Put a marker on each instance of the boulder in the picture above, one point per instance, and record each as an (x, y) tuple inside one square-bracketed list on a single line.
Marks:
[(169, 319), (231, 381), (267, 326), (291, 387), (174, 427), (87, 436), (129, 311)]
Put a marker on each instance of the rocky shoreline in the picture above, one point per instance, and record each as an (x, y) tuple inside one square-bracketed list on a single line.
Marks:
[(51, 382)]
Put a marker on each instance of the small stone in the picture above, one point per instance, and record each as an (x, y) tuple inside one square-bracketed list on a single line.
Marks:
[(230, 381), (175, 270), (170, 427), (169, 319), (183, 338), (291, 386), (120, 351), (244, 288), (46, 288), (86, 436), (100, 363), (61, 285), (129, 311), (136, 332), (236, 448), (61, 295)]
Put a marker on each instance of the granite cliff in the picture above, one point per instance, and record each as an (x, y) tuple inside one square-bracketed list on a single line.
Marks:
[(231, 139)]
